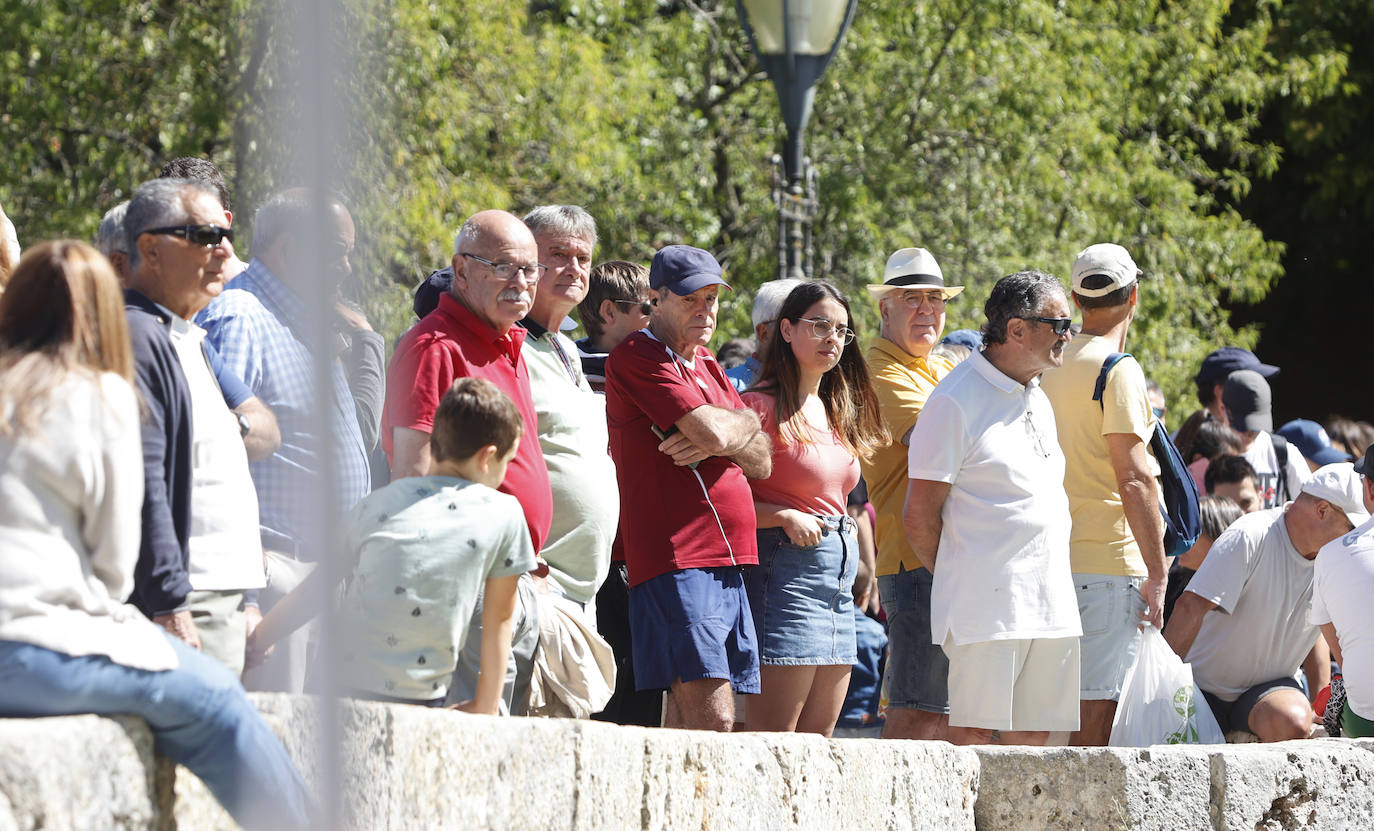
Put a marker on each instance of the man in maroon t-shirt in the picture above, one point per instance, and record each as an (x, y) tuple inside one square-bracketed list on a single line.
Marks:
[(683, 443)]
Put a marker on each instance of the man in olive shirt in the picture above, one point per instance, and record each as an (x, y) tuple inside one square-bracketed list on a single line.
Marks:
[(911, 299)]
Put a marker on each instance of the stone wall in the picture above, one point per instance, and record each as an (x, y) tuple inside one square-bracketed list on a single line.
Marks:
[(413, 768)]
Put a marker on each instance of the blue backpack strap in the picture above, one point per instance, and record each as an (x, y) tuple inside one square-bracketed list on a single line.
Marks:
[(1112, 360)]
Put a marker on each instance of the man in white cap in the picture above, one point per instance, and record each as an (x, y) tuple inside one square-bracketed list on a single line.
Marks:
[(1116, 548), (911, 299), (1259, 575)]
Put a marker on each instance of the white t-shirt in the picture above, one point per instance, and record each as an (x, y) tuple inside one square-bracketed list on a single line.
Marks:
[(1265, 461), (225, 544), (1343, 595), (1003, 566), (1263, 590), (425, 547)]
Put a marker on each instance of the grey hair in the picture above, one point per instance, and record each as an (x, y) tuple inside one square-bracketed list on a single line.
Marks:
[(158, 203), (769, 298), (563, 220), (1020, 295), (109, 238), (467, 236), (278, 216)]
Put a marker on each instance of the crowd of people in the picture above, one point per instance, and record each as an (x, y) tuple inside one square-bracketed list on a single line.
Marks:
[(622, 527)]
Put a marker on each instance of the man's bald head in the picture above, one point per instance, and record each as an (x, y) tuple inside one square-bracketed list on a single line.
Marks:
[(495, 268), (483, 226)]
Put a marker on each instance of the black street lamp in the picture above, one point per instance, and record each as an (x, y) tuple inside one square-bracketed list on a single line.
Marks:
[(795, 41)]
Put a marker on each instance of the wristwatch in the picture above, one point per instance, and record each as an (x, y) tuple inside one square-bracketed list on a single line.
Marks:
[(245, 426)]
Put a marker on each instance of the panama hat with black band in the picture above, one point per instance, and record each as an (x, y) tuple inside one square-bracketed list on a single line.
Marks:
[(912, 268)]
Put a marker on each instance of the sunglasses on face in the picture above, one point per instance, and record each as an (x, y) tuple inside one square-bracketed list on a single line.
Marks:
[(1060, 325), (207, 235), (915, 299), (643, 305)]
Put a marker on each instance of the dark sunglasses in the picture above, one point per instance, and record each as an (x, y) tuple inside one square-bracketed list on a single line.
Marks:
[(196, 234), (644, 305), (1060, 325)]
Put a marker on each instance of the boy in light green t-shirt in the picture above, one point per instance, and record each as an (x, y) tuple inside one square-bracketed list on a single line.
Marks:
[(426, 549)]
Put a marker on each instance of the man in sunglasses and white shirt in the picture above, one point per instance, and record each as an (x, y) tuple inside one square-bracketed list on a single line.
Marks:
[(198, 559), (1117, 544)]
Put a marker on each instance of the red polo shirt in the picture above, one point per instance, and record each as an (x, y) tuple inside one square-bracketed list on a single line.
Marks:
[(666, 522), (452, 343)]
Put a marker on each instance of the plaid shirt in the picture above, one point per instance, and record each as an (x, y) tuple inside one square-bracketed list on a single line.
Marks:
[(251, 324)]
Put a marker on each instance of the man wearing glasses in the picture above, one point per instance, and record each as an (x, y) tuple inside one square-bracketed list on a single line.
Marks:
[(987, 514), (1117, 546), (198, 557), (615, 307), (912, 301)]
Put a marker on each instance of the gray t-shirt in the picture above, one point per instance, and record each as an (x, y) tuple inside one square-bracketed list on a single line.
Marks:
[(1263, 588), (425, 548)]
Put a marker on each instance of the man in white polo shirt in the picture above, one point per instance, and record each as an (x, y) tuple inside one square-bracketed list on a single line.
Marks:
[(986, 512)]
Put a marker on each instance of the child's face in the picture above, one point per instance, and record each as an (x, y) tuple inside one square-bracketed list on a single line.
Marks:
[(495, 473)]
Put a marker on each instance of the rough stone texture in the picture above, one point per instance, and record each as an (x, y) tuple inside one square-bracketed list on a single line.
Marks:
[(1326, 784), (414, 768), (1140, 789), (81, 772)]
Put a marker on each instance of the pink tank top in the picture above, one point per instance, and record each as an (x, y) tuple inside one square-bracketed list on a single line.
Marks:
[(814, 476)]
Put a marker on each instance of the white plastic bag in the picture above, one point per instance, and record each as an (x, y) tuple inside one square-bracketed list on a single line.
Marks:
[(1159, 702)]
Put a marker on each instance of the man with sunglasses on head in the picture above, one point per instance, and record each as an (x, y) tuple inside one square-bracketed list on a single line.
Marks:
[(199, 561), (1117, 544), (261, 327), (912, 300)]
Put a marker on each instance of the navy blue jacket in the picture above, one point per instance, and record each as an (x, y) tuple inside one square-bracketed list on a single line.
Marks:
[(161, 582)]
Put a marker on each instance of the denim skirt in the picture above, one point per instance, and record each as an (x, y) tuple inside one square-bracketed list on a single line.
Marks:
[(802, 597)]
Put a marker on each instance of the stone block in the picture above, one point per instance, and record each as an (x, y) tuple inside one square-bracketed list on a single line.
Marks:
[(1062, 788), (1325, 784), (81, 772)]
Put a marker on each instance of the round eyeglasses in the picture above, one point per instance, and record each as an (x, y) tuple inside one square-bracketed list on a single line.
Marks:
[(823, 329)]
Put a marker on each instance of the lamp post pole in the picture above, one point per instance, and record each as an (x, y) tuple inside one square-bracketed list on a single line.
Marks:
[(795, 41)]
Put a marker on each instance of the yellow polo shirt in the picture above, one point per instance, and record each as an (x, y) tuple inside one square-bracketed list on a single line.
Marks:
[(1101, 541), (903, 383)]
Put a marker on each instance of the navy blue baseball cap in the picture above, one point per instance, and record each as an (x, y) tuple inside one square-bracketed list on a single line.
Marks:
[(1312, 441), (683, 269), (1228, 359)]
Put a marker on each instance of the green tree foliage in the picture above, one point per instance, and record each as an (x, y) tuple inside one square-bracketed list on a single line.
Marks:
[(1001, 134)]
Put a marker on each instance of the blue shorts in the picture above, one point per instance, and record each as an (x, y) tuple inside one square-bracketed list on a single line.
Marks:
[(802, 597), (1109, 607), (1235, 715), (693, 624), (917, 675)]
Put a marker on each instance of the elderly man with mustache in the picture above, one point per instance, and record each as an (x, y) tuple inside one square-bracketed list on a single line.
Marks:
[(473, 332)]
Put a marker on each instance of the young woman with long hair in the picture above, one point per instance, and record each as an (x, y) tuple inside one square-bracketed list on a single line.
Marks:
[(71, 496), (817, 404)]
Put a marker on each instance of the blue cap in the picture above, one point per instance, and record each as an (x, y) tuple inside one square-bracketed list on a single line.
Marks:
[(969, 338), (683, 269), (1221, 363), (1312, 441)]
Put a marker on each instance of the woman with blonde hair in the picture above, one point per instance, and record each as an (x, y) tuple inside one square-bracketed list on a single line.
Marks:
[(71, 496), (816, 402)]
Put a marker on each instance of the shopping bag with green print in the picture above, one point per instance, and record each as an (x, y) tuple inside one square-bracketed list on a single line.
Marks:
[(1159, 702)]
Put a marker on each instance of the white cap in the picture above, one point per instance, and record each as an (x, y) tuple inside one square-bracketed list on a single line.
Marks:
[(1108, 260), (1340, 485)]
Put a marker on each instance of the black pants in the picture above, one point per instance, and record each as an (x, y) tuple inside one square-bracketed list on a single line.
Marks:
[(627, 706)]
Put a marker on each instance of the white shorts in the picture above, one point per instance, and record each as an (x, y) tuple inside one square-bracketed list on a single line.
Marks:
[(1029, 684)]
